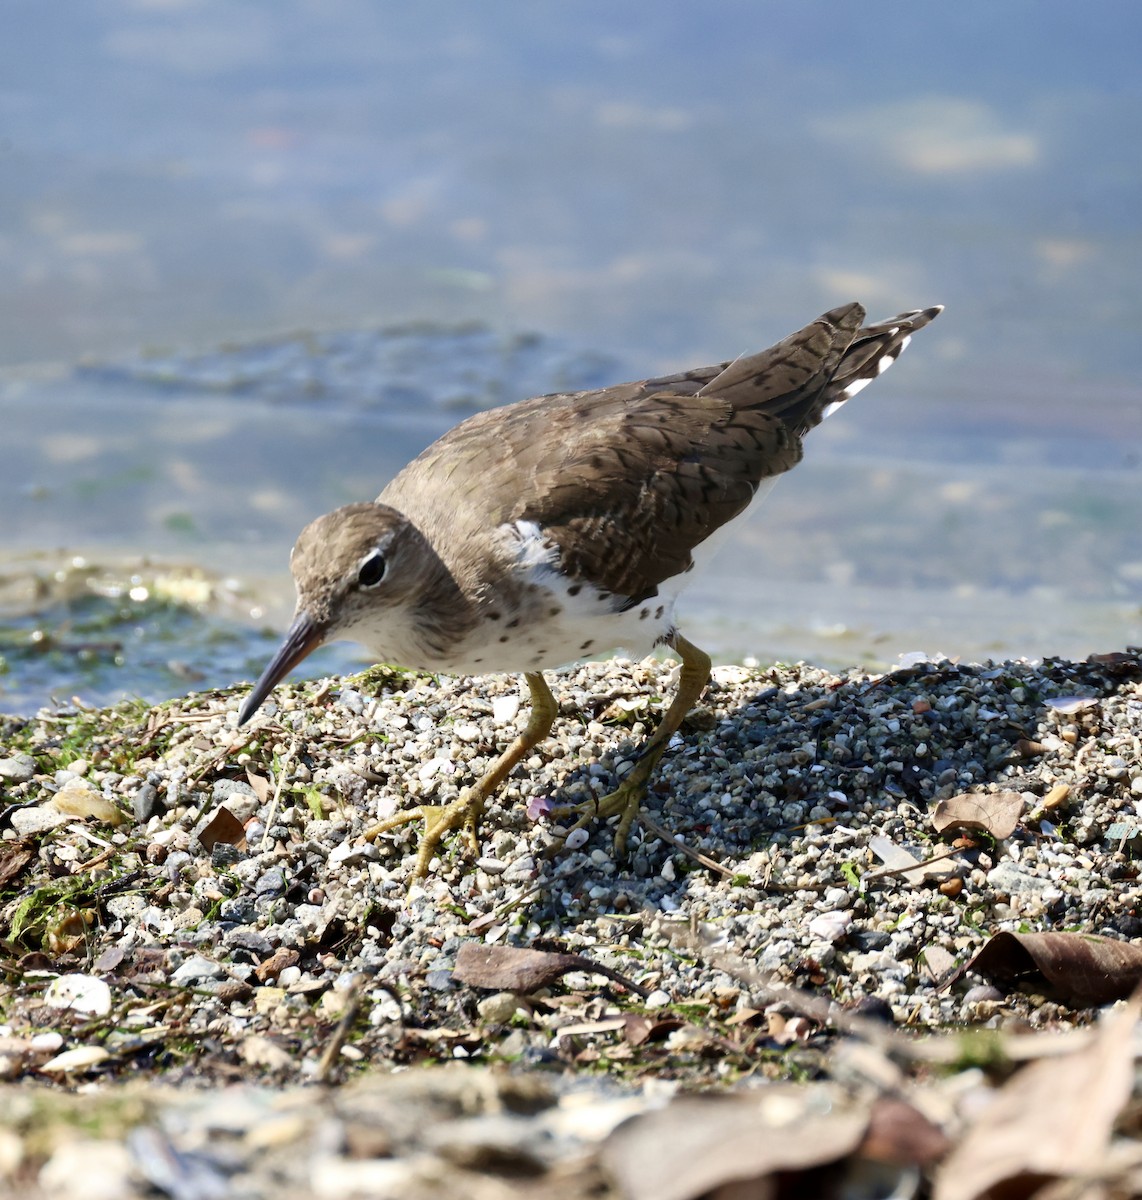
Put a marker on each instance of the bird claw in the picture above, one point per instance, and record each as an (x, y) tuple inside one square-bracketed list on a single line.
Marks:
[(439, 819), (624, 802)]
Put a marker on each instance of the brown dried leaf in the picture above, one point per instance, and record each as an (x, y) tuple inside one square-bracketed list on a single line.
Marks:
[(516, 969), (901, 1135), (639, 1028), (14, 857), (260, 784), (1079, 969), (1053, 1119), (109, 960), (996, 813), (223, 827), (698, 1144), (272, 967)]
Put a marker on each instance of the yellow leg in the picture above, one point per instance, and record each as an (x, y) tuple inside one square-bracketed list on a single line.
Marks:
[(627, 797), (465, 811)]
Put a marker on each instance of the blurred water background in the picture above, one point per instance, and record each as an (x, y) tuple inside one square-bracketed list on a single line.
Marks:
[(254, 256)]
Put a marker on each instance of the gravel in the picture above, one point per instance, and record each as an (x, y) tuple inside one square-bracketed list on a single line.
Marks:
[(289, 951)]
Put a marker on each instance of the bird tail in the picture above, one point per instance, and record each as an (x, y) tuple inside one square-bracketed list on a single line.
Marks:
[(810, 374)]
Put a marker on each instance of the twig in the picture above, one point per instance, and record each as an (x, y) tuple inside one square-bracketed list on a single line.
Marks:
[(341, 1032), (277, 792), (480, 923), (916, 866), (675, 840)]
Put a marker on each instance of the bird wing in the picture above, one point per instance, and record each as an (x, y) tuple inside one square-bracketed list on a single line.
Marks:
[(626, 481)]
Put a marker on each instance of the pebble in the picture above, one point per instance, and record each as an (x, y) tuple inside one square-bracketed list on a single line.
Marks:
[(196, 969), (831, 927), (353, 854), (79, 994), (37, 819), (505, 709), (20, 768), (145, 803), (1010, 878), (88, 1169)]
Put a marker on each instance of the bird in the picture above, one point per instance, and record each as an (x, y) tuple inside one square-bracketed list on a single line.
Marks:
[(563, 527)]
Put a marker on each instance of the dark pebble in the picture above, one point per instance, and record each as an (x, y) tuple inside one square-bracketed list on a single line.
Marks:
[(224, 788), (272, 883), (224, 855), (875, 1008), (240, 911), (440, 981), (145, 803), (869, 939), (248, 939)]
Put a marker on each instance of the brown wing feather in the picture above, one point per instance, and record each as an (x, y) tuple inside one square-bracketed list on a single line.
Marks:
[(628, 480)]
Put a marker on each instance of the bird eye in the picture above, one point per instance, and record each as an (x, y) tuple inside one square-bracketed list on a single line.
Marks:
[(372, 570)]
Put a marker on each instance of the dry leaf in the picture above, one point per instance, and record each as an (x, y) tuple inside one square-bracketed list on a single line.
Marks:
[(698, 1144), (516, 969), (639, 1028), (901, 1135), (108, 960), (260, 784), (1053, 1119), (996, 813), (271, 967), (223, 827), (1079, 969), (14, 857)]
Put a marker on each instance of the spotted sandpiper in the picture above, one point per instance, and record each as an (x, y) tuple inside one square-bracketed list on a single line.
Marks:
[(564, 526)]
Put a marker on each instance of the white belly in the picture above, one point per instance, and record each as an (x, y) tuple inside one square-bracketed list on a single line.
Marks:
[(554, 627), (564, 629)]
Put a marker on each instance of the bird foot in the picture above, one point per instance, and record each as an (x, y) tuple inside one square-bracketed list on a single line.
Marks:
[(624, 802), (439, 819)]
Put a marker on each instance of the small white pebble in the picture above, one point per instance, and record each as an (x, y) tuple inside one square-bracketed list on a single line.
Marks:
[(831, 926), (657, 999), (576, 838), (505, 709)]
